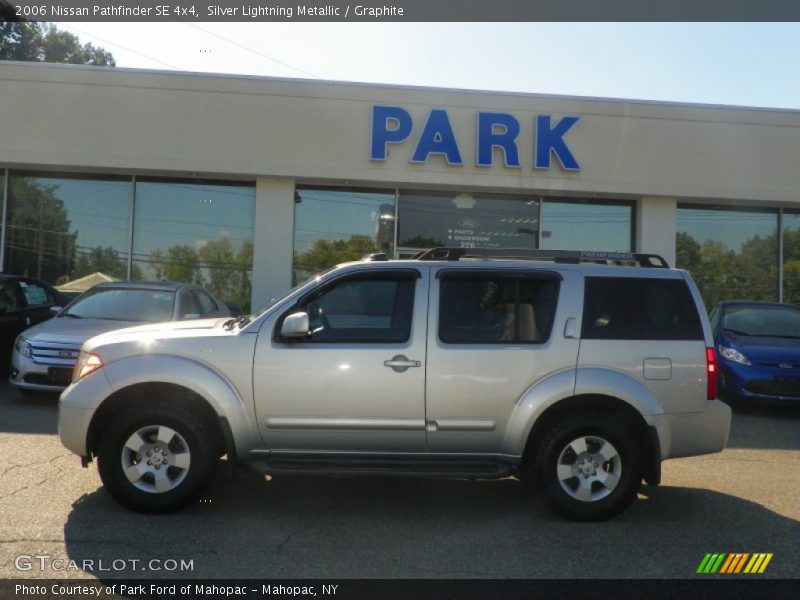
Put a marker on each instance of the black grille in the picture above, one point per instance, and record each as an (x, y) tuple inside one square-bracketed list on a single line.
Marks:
[(54, 376), (777, 386)]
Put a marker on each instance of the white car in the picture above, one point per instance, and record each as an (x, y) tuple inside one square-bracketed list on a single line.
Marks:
[(44, 356)]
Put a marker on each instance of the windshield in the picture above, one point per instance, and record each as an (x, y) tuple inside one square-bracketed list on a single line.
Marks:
[(121, 304), (768, 321)]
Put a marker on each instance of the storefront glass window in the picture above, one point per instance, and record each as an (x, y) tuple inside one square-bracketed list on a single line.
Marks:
[(332, 226), (731, 254), (791, 257), (579, 225), (429, 220), (196, 232), (62, 228)]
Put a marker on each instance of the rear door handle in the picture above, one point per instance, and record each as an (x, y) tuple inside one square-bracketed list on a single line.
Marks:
[(401, 363)]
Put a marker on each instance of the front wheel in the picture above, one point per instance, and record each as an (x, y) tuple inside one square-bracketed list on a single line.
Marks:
[(156, 458), (590, 465)]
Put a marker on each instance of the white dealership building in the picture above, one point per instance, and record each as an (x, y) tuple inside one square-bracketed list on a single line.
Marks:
[(250, 181)]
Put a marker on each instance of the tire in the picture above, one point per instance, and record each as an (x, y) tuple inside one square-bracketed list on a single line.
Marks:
[(179, 468), (590, 465)]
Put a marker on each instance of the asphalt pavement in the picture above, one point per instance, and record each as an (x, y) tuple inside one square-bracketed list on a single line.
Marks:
[(744, 499)]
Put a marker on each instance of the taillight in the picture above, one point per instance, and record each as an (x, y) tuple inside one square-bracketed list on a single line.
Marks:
[(711, 372), (87, 363)]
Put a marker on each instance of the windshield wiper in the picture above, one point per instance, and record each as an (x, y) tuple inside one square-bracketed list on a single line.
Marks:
[(70, 315), (241, 321)]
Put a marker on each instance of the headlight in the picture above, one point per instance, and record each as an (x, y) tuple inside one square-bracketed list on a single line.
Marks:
[(87, 363), (734, 355), (23, 346)]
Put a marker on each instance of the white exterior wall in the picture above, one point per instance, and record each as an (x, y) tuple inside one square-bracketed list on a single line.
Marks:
[(278, 132), (274, 243), (656, 226)]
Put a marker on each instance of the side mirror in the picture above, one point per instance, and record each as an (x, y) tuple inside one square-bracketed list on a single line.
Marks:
[(54, 310), (295, 326)]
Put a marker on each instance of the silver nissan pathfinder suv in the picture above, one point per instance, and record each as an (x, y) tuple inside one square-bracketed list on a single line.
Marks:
[(580, 370)]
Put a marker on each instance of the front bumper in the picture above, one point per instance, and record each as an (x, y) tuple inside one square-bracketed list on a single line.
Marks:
[(759, 383), (76, 407), (30, 375)]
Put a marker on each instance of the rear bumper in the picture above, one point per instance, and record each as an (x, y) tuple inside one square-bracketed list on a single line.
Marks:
[(692, 434)]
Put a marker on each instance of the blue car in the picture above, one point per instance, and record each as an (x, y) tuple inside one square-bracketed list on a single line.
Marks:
[(758, 345)]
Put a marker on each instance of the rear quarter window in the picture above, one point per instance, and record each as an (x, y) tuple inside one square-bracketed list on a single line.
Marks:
[(628, 308)]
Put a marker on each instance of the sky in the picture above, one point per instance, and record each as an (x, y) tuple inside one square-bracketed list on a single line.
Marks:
[(742, 64)]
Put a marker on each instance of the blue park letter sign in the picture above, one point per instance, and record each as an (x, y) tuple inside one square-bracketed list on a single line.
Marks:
[(487, 139), (382, 116), (552, 140), (437, 138), (393, 125)]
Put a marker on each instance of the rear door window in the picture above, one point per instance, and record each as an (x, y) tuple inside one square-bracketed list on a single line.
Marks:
[(496, 308), (35, 295)]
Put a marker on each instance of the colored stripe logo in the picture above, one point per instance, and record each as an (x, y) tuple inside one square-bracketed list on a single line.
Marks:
[(735, 562)]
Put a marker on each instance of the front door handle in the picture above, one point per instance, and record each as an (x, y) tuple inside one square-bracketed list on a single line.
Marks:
[(401, 363)]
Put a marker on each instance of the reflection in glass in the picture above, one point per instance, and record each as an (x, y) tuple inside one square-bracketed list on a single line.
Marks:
[(332, 226), (583, 225), (64, 228), (791, 257), (731, 254), (195, 232), (429, 220)]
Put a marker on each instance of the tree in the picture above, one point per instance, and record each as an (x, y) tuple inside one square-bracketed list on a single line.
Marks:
[(41, 42), (723, 274), (228, 272), (688, 252), (324, 254), (181, 263), (40, 243), (225, 273), (422, 242), (104, 260)]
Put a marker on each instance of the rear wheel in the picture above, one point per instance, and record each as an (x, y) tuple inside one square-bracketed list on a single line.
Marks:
[(591, 466), (158, 458)]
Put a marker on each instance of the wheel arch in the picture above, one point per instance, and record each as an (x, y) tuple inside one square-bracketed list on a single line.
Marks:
[(172, 378), (646, 435), (170, 393)]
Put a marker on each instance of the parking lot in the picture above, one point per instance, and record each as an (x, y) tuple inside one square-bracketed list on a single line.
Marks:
[(742, 500)]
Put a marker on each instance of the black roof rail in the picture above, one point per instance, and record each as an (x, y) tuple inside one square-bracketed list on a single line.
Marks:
[(559, 256)]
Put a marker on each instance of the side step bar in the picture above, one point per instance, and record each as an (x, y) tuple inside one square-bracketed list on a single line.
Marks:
[(334, 464)]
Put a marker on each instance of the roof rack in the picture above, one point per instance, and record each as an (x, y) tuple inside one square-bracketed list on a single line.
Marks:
[(559, 256)]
